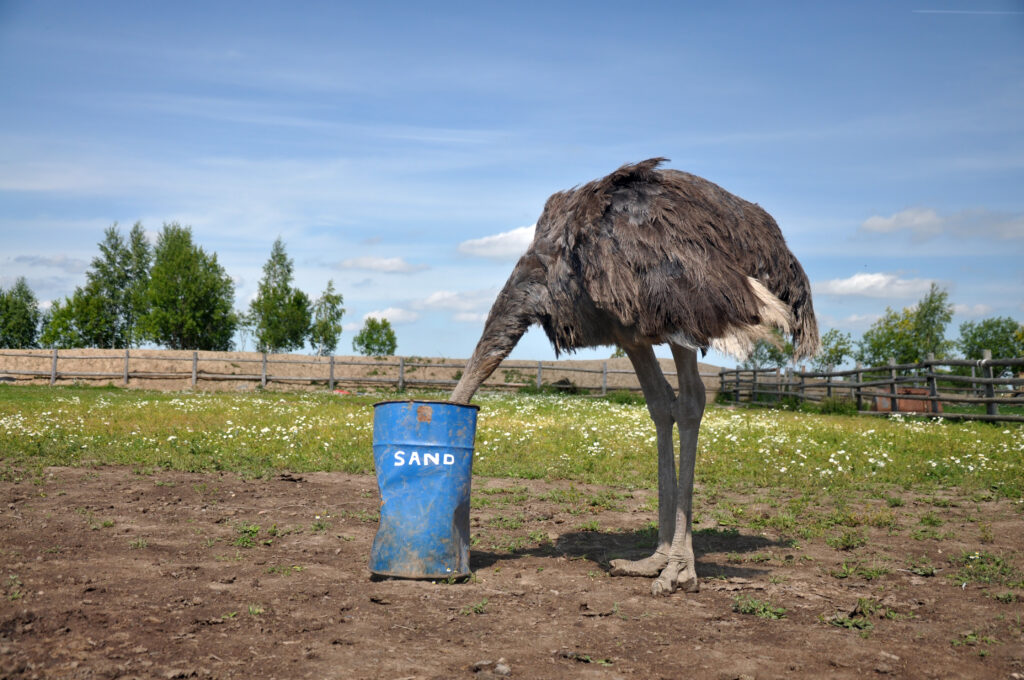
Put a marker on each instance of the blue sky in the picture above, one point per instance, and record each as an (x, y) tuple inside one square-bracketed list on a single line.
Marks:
[(403, 149)]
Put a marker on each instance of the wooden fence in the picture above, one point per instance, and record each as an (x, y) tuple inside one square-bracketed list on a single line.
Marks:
[(178, 369), (919, 389)]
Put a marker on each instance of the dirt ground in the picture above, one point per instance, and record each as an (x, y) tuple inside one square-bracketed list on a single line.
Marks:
[(120, 573)]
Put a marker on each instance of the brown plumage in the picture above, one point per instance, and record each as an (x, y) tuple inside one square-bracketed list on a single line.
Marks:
[(647, 256)]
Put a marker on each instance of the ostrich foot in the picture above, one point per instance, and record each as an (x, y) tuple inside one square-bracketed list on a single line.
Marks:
[(676, 577), (649, 566)]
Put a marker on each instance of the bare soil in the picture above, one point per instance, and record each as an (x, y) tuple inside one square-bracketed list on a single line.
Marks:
[(118, 573)]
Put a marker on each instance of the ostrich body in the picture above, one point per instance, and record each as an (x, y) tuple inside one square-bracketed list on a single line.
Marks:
[(642, 257)]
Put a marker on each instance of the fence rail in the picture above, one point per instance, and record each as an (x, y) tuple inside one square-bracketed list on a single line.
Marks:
[(917, 389), (193, 368)]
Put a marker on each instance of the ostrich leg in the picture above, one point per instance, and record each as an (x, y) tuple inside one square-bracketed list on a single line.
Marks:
[(660, 404), (689, 409)]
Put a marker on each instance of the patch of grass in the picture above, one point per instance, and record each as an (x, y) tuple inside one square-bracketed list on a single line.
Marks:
[(986, 568), (138, 544), (477, 609), (519, 436), (847, 540), (247, 535), (922, 566), (760, 608), (506, 522)]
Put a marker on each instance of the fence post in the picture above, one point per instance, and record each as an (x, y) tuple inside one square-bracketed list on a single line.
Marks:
[(894, 405), (53, 368), (858, 391), (126, 353), (331, 383), (195, 368), (753, 388), (401, 373), (828, 382), (539, 368), (604, 379), (990, 389), (736, 390), (801, 390), (933, 383), (263, 373)]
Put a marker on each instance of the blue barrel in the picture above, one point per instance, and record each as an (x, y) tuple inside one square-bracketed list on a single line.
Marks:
[(423, 454)]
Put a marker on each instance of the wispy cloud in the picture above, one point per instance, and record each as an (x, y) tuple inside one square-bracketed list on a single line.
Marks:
[(926, 223), (393, 315), (71, 265), (466, 301), (504, 246), (385, 265), (874, 285), (977, 311), (468, 306)]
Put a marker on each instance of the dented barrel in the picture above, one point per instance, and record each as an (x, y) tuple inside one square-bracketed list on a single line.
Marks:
[(423, 454)]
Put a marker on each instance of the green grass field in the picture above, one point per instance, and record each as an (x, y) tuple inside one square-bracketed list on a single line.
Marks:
[(521, 436)]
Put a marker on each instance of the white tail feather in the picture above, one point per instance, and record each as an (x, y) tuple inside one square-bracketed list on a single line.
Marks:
[(740, 339)]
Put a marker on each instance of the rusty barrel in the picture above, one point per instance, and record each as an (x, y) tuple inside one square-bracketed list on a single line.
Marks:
[(423, 454)]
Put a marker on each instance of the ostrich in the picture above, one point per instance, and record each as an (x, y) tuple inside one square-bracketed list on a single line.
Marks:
[(642, 257)]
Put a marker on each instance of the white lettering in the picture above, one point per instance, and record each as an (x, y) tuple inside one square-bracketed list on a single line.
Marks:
[(415, 458)]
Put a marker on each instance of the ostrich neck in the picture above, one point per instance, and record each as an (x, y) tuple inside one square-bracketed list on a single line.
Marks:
[(517, 306)]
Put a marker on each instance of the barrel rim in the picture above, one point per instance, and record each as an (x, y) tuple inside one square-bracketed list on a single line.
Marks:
[(425, 401)]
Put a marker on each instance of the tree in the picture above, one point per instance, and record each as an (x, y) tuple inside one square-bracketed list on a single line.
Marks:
[(19, 316), (326, 329), (105, 312), (1002, 335), (82, 320), (280, 314), (377, 338), (189, 298), (835, 347), (139, 259), (911, 335), (773, 353)]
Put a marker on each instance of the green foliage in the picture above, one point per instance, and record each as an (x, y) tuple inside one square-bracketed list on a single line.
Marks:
[(81, 320), (326, 329), (19, 316), (910, 335), (280, 314), (836, 346), (376, 339), (760, 608), (106, 311), (774, 353), (189, 297), (1002, 335)]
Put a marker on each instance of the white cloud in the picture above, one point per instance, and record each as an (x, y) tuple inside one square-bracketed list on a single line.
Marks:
[(387, 265), (926, 223), (874, 285), (921, 222), (470, 301), (504, 246), (393, 314), (977, 311)]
